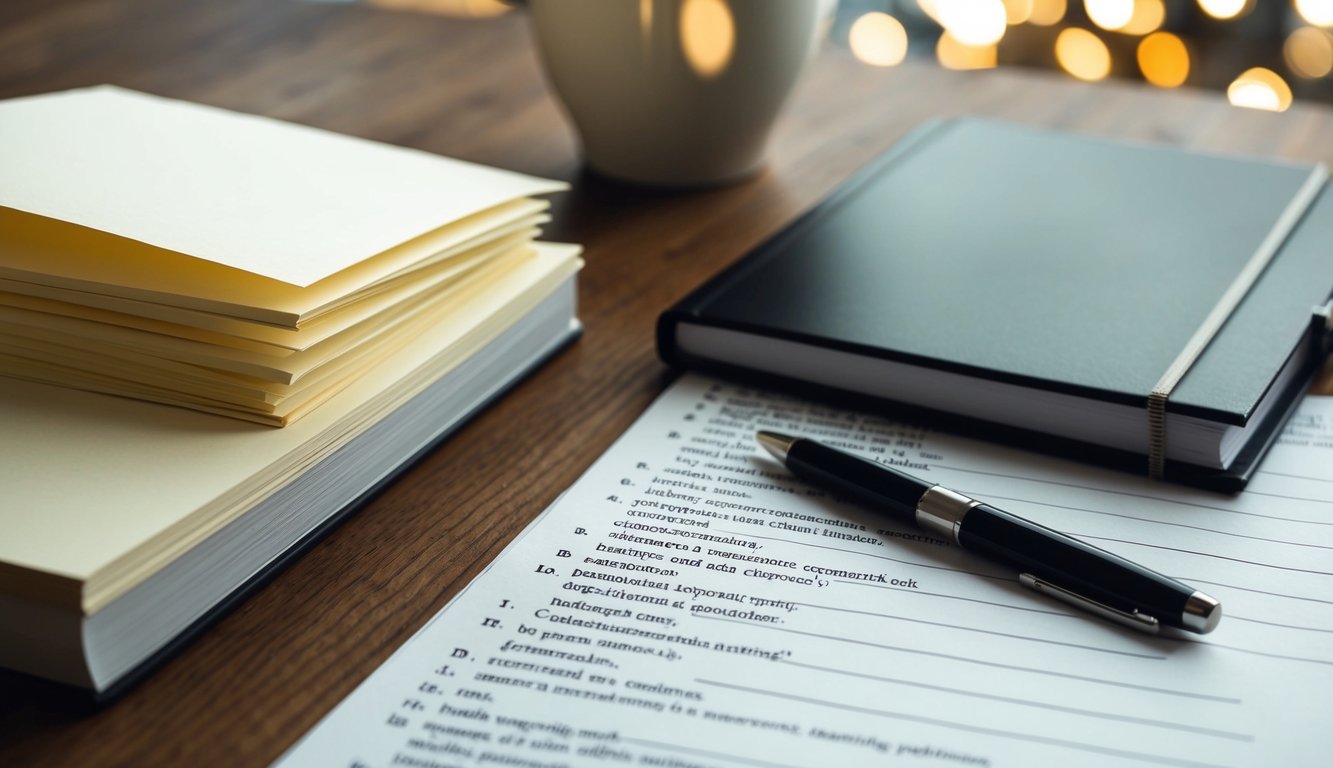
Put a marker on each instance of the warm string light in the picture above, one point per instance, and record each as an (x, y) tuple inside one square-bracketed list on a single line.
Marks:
[(1082, 54), (1260, 88), (1148, 17), (972, 30), (1018, 11), (1316, 12), (1225, 9), (1046, 13), (1309, 52), (953, 54), (463, 9), (974, 23), (878, 39), (1164, 60), (1109, 14), (930, 8), (1130, 17)]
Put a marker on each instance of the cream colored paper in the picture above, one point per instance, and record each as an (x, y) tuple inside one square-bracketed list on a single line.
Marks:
[(262, 196), (43, 253), (100, 492), (245, 334), (276, 364), (326, 369)]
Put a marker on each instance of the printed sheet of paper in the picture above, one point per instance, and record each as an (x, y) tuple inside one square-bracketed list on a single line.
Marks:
[(688, 603)]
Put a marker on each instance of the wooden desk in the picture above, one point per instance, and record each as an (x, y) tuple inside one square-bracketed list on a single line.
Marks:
[(256, 681)]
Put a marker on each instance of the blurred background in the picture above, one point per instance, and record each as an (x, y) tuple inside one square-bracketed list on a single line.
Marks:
[(1262, 53)]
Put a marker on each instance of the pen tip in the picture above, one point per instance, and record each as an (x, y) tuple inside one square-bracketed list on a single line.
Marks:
[(776, 444)]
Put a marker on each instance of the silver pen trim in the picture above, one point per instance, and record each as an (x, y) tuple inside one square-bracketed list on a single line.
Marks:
[(1140, 621), (777, 444), (941, 511), (1201, 613)]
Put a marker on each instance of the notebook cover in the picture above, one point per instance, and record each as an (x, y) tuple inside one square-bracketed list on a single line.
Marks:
[(1044, 259)]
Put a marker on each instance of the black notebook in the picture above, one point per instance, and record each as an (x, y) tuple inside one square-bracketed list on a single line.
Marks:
[(1037, 286)]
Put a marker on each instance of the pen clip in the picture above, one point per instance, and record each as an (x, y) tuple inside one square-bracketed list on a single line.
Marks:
[(1140, 621)]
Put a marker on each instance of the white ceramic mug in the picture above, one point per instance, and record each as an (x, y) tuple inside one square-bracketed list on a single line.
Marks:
[(675, 92)]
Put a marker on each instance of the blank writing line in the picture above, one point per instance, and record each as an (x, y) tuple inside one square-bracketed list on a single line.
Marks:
[(1161, 522), (1203, 554), (705, 752), (960, 627), (1280, 624), (1265, 654), (1298, 477), (1191, 580), (979, 662), (1130, 494), (1039, 704), (1290, 498), (1076, 745)]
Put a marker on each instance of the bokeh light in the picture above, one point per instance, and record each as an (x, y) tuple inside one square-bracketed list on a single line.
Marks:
[(1046, 13), (1018, 11), (1165, 43), (1109, 14), (1224, 9), (953, 54), (1164, 60), (461, 9), (1316, 12), (646, 23), (930, 8), (973, 22), (1260, 88), (1082, 54), (878, 39), (1309, 52), (1147, 17), (707, 36)]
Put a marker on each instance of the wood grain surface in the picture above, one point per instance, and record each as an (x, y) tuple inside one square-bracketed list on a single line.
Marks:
[(258, 679)]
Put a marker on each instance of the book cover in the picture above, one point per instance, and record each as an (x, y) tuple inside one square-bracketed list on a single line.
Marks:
[(1059, 271)]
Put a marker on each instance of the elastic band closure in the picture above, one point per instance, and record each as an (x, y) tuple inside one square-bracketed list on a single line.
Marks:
[(1231, 298), (1323, 322)]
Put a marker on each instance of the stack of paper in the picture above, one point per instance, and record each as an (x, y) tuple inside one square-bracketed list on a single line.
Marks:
[(212, 270), (227, 263)]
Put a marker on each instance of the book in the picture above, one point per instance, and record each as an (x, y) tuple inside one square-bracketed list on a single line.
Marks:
[(1034, 285), (151, 341)]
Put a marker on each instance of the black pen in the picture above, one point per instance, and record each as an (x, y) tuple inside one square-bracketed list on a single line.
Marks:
[(1049, 561)]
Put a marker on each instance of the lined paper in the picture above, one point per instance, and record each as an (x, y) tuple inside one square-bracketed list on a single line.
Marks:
[(689, 603)]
